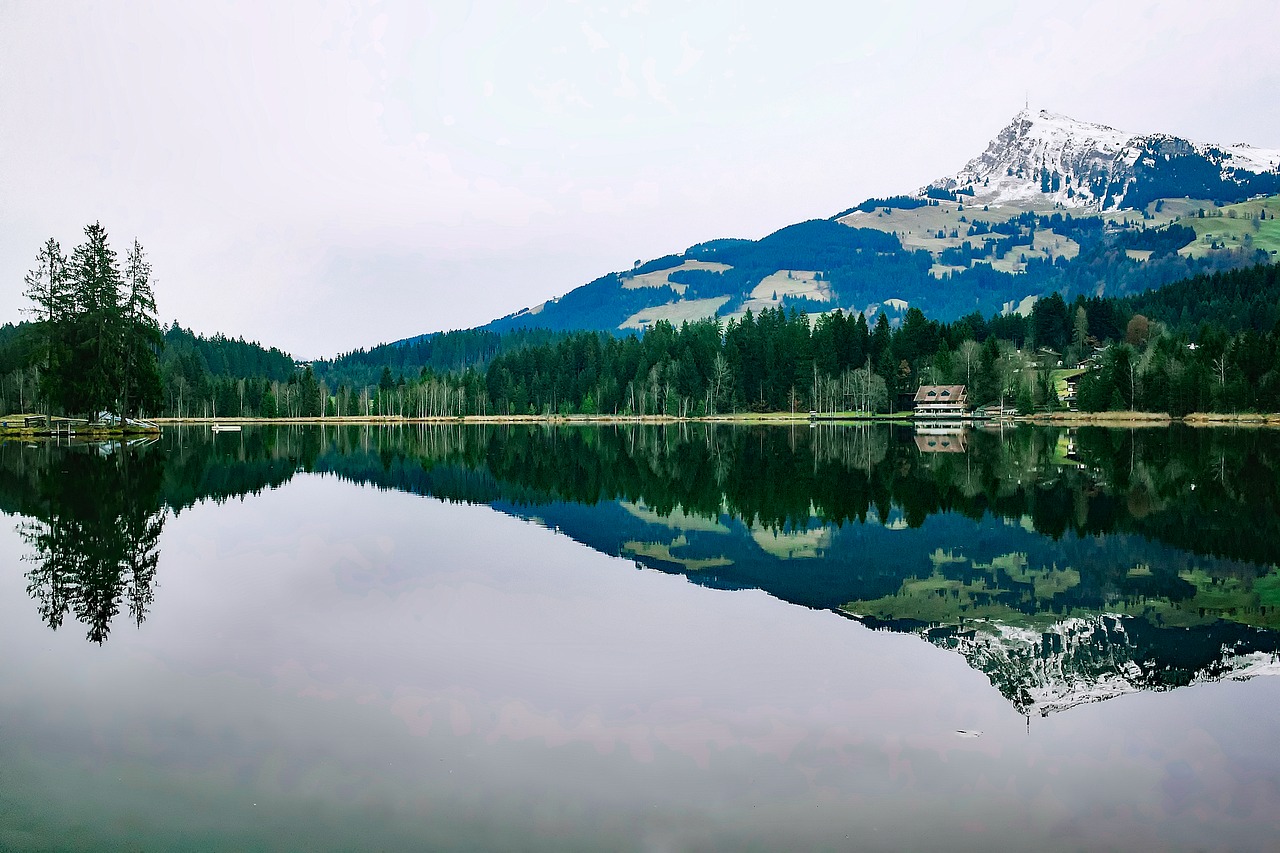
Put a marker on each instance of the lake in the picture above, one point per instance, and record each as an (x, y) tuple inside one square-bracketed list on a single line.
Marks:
[(685, 637)]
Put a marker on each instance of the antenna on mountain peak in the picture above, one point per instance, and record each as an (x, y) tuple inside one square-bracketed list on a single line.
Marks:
[(1026, 104)]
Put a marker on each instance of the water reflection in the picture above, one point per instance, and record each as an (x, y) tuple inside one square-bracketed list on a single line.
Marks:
[(1069, 566), (95, 519)]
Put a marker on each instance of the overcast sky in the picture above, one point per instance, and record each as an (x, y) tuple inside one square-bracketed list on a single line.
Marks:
[(326, 176)]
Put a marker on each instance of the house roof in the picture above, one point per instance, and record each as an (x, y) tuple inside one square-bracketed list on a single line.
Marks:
[(940, 394)]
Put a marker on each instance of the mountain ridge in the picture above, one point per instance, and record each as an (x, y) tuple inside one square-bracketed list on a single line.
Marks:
[(1051, 204), (1079, 164)]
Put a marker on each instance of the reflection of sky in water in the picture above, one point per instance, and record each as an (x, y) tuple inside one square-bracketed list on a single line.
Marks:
[(327, 665)]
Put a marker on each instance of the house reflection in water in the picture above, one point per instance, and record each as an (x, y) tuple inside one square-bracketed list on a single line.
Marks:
[(940, 440)]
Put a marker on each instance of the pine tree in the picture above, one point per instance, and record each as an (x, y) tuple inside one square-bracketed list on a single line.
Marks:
[(92, 382), (48, 287), (140, 373)]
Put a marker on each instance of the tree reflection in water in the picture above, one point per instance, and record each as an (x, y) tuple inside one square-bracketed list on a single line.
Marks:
[(1068, 565), (95, 535)]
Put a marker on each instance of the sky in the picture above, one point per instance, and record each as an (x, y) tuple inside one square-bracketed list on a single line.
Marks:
[(326, 176)]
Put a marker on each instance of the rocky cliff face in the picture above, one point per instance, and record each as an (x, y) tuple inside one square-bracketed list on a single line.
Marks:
[(1043, 159)]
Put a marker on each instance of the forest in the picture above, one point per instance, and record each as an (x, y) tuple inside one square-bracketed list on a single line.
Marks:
[(1210, 342)]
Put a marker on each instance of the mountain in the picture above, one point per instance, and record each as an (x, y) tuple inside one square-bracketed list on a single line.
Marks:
[(1052, 204), (1092, 658), (1043, 157)]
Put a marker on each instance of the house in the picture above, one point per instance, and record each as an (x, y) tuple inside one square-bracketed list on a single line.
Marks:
[(1046, 358), (1094, 360), (1066, 386), (941, 401)]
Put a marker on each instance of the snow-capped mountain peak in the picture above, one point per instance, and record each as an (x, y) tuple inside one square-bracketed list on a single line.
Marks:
[(1045, 159)]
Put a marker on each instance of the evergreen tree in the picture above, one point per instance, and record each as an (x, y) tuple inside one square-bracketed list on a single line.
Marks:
[(48, 288), (310, 404), (92, 382), (141, 340), (98, 331)]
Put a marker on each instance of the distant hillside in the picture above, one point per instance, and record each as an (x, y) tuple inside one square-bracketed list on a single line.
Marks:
[(445, 352), (1246, 300), (1052, 204), (221, 357), (946, 260)]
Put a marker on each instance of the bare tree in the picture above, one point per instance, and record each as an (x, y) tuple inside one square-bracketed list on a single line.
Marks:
[(970, 354), (720, 377)]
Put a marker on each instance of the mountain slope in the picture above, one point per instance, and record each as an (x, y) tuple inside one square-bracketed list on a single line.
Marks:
[(1052, 204)]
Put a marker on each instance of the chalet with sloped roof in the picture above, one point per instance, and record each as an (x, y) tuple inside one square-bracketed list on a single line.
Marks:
[(941, 401)]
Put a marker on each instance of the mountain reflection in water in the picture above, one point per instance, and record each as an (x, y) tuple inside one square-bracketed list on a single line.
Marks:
[(1068, 566)]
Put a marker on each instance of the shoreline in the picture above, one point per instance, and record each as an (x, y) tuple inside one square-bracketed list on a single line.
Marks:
[(1126, 420), (1113, 419)]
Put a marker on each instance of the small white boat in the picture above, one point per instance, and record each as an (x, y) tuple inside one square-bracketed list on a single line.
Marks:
[(225, 427)]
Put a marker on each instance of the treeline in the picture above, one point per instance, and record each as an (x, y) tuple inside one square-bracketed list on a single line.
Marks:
[(896, 202), (197, 375), (218, 375), (1208, 343), (221, 356), (1232, 302), (1161, 351), (777, 360), (782, 360), (445, 352)]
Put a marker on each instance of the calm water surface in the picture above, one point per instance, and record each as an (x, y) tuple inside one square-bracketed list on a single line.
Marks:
[(670, 638)]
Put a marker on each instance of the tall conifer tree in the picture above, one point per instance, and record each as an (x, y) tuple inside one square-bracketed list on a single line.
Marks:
[(95, 272), (140, 376), (48, 287)]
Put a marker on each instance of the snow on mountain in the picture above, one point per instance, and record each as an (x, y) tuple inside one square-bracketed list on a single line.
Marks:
[(1043, 158), (1084, 659), (1250, 158)]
